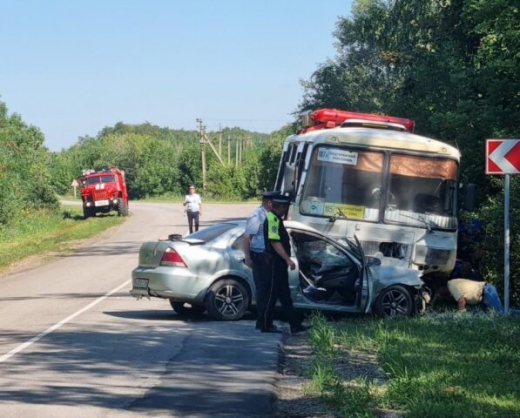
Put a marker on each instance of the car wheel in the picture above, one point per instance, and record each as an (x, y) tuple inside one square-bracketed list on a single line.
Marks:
[(187, 309), (394, 301), (227, 300)]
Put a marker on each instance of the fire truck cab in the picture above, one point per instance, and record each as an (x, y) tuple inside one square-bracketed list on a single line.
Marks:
[(104, 191)]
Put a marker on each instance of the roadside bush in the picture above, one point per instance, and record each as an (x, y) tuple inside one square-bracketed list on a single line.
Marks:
[(490, 250), (24, 177)]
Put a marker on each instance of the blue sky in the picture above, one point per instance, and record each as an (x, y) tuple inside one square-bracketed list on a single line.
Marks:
[(74, 67)]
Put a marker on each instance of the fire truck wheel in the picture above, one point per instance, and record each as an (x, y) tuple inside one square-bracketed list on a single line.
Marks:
[(122, 208), (87, 212)]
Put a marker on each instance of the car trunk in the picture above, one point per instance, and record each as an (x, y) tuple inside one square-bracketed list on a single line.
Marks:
[(151, 253)]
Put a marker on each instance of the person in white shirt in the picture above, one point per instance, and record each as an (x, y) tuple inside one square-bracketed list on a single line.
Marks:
[(193, 205)]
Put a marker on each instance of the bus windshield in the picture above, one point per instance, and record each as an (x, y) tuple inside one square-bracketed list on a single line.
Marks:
[(344, 181), (422, 191), (353, 183)]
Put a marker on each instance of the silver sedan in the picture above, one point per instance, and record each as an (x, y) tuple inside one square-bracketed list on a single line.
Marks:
[(205, 271)]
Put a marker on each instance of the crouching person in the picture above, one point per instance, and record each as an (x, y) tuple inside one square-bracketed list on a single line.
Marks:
[(469, 292)]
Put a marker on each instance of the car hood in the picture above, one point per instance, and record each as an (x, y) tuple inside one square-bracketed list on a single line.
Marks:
[(390, 275)]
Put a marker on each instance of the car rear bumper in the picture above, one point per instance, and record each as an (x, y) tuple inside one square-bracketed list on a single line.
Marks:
[(170, 283)]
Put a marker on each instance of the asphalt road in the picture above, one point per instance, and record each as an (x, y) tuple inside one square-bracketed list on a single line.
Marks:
[(74, 343)]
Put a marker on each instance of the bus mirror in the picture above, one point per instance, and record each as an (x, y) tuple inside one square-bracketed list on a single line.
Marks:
[(469, 197), (288, 179)]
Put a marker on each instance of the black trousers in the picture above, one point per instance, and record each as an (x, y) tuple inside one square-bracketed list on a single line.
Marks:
[(272, 284), (193, 216)]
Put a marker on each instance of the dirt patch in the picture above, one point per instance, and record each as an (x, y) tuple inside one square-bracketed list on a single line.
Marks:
[(297, 354), (294, 371)]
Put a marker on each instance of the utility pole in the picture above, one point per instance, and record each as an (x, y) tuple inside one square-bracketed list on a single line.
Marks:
[(220, 140), (202, 141), (229, 150)]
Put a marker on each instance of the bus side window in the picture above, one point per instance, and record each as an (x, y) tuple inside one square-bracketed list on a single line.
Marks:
[(300, 165), (292, 151), (289, 173), (281, 170)]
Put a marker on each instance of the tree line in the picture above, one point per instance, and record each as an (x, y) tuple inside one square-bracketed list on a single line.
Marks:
[(162, 161), (157, 162)]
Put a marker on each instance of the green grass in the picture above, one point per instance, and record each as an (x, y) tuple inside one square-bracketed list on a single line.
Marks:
[(341, 400), (445, 365), (43, 231)]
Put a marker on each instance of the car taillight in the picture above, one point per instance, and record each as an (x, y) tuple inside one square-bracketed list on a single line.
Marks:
[(172, 258)]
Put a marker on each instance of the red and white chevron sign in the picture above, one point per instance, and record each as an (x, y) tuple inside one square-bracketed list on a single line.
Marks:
[(503, 156)]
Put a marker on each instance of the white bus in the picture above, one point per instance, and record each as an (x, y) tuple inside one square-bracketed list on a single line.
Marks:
[(370, 176)]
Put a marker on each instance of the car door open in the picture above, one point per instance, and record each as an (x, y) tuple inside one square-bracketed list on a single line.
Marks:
[(328, 272)]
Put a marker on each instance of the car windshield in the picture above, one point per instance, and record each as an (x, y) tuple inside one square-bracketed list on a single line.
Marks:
[(346, 181), (211, 232)]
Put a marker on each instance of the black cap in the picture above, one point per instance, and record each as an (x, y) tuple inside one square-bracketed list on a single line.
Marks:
[(277, 197), (270, 195), (282, 199)]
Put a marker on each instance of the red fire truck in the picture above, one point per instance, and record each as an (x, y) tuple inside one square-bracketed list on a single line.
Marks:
[(103, 191)]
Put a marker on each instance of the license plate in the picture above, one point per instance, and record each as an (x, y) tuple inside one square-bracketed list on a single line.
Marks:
[(101, 203), (140, 283)]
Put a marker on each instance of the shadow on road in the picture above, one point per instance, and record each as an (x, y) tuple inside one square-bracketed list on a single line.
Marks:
[(157, 362)]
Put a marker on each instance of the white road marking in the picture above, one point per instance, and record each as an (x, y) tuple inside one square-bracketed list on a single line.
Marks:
[(59, 324)]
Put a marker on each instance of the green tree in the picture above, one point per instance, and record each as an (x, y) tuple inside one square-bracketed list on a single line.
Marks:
[(24, 179)]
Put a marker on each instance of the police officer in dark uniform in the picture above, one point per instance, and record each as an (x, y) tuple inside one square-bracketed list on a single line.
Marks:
[(278, 260)]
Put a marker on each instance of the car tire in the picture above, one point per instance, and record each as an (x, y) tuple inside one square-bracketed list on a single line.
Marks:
[(227, 300), (186, 309), (394, 301)]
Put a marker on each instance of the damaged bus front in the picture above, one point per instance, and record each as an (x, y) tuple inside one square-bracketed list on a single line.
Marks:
[(370, 176)]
